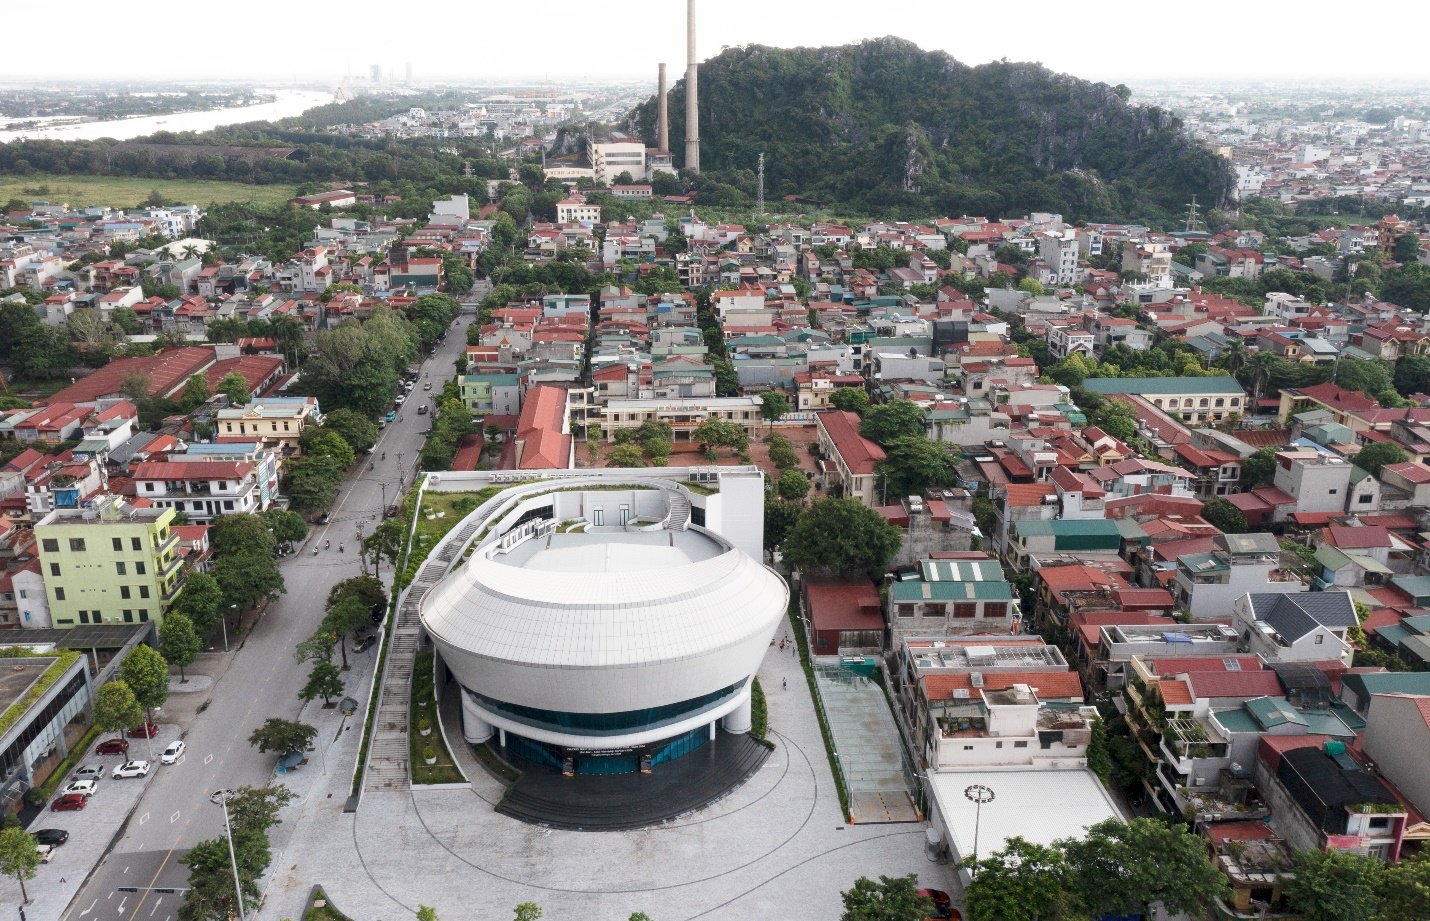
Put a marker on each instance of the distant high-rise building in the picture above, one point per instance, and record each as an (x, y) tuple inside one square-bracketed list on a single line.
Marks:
[(375, 71)]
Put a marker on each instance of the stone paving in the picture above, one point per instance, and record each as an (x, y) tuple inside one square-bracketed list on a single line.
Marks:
[(774, 848)]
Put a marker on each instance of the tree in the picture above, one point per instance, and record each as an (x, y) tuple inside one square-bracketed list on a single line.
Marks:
[(841, 536), (1412, 374), (627, 455), (793, 485), (147, 675), (343, 617), (1116, 419), (246, 578), (850, 399), (1370, 376), (773, 406), (1260, 468), (1021, 882), (324, 681), (1099, 758), (1224, 516), (200, 601), (179, 642), (19, 857), (1406, 248), (426, 913), (359, 432), (287, 527), (1122, 869), (913, 464), (1406, 889), (1334, 885), (528, 911), (714, 432), (887, 421), (781, 516), (252, 811), (892, 898), (313, 482), (282, 736), (320, 442), (1032, 286), (235, 387), (196, 392), (1378, 454), (40, 352), (115, 708)]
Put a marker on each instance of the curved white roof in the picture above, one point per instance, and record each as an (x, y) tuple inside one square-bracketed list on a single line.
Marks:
[(605, 600)]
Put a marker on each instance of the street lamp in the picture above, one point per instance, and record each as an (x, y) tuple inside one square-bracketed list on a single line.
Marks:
[(977, 794), (224, 620), (222, 797)]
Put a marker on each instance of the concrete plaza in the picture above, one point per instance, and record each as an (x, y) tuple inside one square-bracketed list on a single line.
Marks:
[(774, 848)]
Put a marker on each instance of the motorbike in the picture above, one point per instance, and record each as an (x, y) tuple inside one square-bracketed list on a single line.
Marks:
[(327, 544), (340, 548)]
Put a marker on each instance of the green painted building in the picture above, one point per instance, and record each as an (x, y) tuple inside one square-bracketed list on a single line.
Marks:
[(113, 563)]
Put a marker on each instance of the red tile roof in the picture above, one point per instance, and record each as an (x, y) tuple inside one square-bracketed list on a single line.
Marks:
[(1235, 684), (1175, 692), (167, 372), (1362, 538), (859, 453), (1048, 685), (1178, 665), (192, 470), (843, 604), (539, 437)]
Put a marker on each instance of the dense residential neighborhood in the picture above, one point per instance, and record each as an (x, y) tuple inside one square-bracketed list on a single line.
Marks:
[(1123, 528)]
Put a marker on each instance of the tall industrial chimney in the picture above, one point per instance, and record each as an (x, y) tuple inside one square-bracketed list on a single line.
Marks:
[(692, 98), (662, 125)]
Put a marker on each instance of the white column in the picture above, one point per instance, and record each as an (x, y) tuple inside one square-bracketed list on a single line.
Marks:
[(738, 719), (501, 737), (713, 724), (475, 729)]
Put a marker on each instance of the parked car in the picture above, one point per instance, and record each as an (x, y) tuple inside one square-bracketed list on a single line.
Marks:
[(89, 772), (68, 803), (942, 904), (53, 837), (132, 769), (391, 414), (400, 399), (173, 753), (81, 787), (143, 731), (112, 747), (325, 518)]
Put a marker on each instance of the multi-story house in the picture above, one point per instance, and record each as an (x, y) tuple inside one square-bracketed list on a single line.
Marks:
[(1068, 337), (1193, 399), (953, 597), (848, 460), (1323, 798), (276, 422), (1206, 585), (1153, 260), (203, 490), (1310, 627), (113, 563)]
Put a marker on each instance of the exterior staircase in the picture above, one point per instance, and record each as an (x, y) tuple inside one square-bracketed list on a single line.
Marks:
[(678, 517)]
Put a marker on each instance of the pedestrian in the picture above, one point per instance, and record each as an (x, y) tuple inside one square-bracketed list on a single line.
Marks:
[(786, 683), (782, 645)]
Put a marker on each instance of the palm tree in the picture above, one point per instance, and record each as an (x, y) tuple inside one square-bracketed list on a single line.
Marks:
[(1234, 358), (1261, 366)]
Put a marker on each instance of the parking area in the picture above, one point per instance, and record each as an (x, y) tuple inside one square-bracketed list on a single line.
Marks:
[(90, 829)]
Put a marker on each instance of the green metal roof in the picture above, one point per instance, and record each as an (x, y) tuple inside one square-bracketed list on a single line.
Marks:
[(1365, 684), (961, 571), (1237, 720), (1175, 386), (950, 591), (1416, 647), (1271, 712), (1417, 587), (1078, 534), (1331, 558)]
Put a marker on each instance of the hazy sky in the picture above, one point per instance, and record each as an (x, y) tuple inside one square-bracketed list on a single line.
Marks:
[(1264, 39)]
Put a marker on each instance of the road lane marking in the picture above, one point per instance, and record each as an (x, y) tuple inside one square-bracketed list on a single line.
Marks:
[(209, 758), (123, 902), (155, 879), (90, 908), (156, 906), (174, 818), (144, 818)]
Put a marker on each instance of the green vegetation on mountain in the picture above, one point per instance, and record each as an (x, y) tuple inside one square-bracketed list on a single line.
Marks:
[(886, 127)]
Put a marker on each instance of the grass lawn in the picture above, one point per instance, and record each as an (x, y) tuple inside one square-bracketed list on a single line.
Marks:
[(325, 912), (424, 709), (126, 192)]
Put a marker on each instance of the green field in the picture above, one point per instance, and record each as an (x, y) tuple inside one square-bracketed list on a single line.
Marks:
[(121, 192)]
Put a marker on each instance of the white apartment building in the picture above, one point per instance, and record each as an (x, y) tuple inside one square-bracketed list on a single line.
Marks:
[(1059, 252), (203, 490), (610, 160)]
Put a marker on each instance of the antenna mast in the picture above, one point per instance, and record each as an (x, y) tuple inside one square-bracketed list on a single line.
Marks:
[(760, 188)]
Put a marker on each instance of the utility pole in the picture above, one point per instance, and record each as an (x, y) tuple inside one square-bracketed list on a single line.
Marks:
[(228, 833)]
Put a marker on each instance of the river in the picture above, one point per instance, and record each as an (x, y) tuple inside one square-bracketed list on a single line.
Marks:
[(288, 104)]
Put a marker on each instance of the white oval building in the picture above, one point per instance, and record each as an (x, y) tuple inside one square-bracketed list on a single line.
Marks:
[(595, 629)]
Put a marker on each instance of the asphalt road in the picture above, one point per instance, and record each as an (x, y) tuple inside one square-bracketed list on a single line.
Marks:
[(262, 681)]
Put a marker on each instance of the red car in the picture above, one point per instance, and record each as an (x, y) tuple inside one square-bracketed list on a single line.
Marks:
[(69, 802), (112, 747), (143, 731)]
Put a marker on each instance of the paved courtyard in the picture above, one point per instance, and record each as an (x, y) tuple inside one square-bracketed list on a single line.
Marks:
[(775, 848)]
